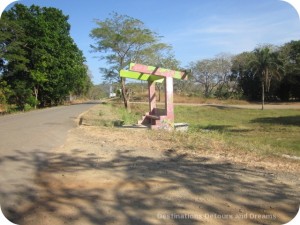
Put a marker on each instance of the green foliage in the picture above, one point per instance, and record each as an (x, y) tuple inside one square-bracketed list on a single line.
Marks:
[(5, 92), (290, 86), (13, 58), (212, 74), (227, 92), (99, 91), (129, 118), (32, 101), (38, 54), (266, 65), (21, 94), (279, 70), (244, 74), (122, 39), (268, 71)]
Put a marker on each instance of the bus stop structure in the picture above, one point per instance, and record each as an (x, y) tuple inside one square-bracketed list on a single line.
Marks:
[(156, 118)]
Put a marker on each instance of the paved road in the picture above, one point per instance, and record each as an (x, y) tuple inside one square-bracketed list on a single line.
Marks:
[(25, 139)]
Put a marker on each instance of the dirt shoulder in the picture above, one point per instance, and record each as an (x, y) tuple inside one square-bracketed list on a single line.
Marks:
[(104, 175)]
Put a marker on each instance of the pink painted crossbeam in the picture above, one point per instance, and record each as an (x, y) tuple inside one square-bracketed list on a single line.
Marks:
[(181, 75)]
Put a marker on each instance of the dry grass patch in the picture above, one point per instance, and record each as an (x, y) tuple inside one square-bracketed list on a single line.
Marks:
[(214, 144)]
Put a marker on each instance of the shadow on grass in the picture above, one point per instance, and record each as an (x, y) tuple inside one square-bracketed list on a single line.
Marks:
[(283, 120), (141, 188), (220, 128), (222, 107)]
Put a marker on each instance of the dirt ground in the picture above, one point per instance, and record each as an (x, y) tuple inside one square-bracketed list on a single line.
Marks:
[(107, 176)]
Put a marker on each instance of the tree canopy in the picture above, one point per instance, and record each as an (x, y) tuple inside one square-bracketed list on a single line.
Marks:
[(212, 74), (122, 39), (39, 60), (267, 66), (268, 72), (274, 68)]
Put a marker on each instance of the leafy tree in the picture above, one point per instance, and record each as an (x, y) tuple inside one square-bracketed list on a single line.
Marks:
[(290, 85), (123, 39), (99, 91), (268, 67), (5, 92), (21, 94), (203, 73), (212, 73), (245, 75), (83, 83), (39, 54), (223, 64), (12, 47)]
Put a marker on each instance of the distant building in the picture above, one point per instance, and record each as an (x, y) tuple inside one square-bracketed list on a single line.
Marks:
[(111, 93)]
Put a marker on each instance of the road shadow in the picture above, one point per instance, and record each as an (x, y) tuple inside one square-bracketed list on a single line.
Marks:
[(283, 120), (143, 190)]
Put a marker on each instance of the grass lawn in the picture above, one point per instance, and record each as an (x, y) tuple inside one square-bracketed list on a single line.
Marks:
[(264, 132)]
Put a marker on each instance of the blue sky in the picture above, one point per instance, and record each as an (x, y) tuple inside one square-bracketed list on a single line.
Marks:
[(196, 29)]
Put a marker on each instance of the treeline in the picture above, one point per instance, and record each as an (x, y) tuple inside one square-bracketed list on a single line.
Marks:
[(268, 72), (40, 65)]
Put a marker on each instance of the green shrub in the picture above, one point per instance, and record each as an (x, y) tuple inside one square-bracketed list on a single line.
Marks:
[(127, 117)]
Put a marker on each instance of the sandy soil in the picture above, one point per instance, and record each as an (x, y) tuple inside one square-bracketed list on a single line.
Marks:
[(117, 176)]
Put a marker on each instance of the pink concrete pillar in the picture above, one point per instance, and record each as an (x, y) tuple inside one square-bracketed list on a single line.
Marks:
[(152, 97), (169, 105)]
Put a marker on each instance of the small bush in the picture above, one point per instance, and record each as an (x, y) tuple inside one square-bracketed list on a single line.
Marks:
[(127, 117), (27, 107), (32, 102)]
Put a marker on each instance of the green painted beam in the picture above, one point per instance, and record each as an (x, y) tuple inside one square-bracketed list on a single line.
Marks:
[(140, 76)]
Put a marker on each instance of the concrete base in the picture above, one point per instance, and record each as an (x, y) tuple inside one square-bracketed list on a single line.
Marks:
[(182, 127)]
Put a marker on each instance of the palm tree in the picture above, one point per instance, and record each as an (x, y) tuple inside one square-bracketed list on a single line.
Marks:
[(267, 66)]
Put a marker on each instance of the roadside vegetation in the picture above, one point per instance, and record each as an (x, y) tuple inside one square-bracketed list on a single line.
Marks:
[(40, 64), (266, 74), (232, 131)]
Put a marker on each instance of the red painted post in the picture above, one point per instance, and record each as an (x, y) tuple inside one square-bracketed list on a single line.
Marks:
[(169, 105), (152, 97)]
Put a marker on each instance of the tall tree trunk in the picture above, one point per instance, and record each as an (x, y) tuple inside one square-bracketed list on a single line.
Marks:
[(262, 95), (124, 94), (159, 90), (36, 92), (206, 91)]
